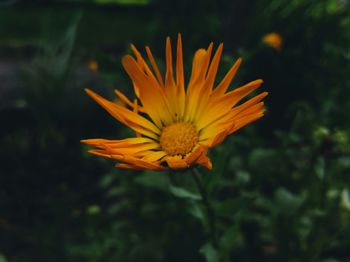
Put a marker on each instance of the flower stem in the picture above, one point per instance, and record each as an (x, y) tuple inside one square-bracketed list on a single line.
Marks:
[(209, 210)]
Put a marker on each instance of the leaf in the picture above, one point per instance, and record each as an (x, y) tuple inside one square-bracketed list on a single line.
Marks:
[(196, 211), (345, 199), (2, 258), (209, 252), (93, 209), (183, 193), (242, 177), (115, 191), (320, 168), (106, 180), (153, 180), (230, 239), (288, 201)]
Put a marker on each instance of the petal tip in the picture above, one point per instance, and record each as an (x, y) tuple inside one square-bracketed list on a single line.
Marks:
[(87, 90)]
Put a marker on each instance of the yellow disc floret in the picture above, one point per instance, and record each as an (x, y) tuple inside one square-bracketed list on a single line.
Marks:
[(179, 138)]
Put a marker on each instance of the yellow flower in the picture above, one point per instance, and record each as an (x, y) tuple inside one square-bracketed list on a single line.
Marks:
[(273, 40), (175, 126)]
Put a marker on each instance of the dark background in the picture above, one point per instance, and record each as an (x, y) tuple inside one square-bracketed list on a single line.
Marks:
[(279, 187)]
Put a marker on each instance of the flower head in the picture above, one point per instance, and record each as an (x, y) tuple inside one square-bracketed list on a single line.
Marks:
[(273, 40), (175, 126)]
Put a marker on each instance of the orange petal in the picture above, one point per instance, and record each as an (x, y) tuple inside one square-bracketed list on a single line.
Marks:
[(170, 86), (236, 113), (225, 83), (99, 153), (176, 162), (153, 155), (121, 143), (131, 150), (249, 103), (152, 96), (154, 65), (210, 79), (220, 107), (128, 166), (206, 90), (214, 137), (143, 64), (204, 161), (199, 68), (136, 147), (139, 163), (194, 155), (246, 120), (126, 100), (127, 117)]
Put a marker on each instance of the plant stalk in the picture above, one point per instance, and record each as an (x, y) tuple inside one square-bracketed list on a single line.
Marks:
[(209, 210)]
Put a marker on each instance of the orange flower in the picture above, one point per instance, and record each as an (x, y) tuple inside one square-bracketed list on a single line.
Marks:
[(273, 40), (175, 126)]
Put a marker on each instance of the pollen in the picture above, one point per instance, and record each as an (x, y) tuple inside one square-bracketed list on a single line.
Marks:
[(178, 138)]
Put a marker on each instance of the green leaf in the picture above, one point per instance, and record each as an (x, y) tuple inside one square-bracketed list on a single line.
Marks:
[(288, 201), (196, 211), (2, 258), (230, 239), (320, 168), (153, 180), (93, 209), (209, 252), (183, 193), (106, 180)]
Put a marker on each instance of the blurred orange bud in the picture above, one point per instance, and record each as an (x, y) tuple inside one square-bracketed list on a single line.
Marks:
[(273, 40), (93, 66)]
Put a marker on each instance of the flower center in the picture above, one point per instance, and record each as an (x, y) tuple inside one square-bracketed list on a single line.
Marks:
[(178, 139)]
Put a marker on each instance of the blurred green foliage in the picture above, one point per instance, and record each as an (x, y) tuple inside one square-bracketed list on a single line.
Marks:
[(279, 188)]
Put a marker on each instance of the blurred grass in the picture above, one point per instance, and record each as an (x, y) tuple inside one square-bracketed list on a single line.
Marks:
[(22, 26)]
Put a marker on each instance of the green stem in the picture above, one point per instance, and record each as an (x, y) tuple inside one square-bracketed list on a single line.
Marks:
[(209, 210)]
